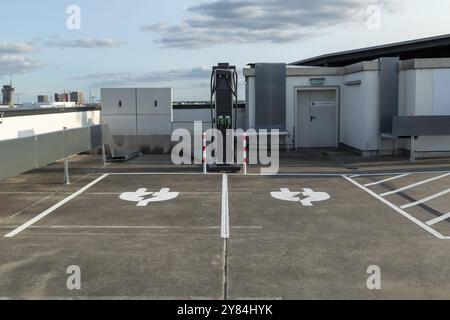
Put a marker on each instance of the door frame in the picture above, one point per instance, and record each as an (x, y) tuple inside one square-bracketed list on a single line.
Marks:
[(337, 90)]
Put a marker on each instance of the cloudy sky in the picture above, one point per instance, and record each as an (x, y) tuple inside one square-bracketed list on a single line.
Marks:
[(174, 43)]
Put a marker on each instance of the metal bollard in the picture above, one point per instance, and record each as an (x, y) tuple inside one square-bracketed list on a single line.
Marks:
[(205, 170), (104, 155), (244, 143), (66, 165), (66, 172)]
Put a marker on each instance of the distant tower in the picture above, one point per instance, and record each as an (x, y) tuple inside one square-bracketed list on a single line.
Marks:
[(8, 94), (77, 97), (63, 97), (43, 99)]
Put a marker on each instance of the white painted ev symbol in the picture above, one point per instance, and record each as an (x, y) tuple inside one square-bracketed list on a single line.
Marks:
[(140, 196), (311, 196)]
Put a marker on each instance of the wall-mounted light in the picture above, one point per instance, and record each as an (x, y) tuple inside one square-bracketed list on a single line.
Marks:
[(317, 81)]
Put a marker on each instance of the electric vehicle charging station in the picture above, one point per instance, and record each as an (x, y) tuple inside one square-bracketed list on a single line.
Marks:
[(224, 104)]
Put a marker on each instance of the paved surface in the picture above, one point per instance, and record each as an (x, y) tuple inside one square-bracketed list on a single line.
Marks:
[(227, 236)]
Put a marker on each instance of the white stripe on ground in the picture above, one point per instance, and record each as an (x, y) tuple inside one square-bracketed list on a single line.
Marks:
[(278, 174), (437, 195), (414, 185), (155, 173), (225, 228), (340, 174), (400, 173), (439, 219), (127, 234), (386, 180), (56, 206), (137, 227), (292, 175), (401, 211)]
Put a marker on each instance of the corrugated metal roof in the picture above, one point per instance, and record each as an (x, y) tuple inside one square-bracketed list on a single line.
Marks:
[(433, 47)]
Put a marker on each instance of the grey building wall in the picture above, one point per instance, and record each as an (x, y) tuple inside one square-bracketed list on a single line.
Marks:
[(389, 85), (270, 112)]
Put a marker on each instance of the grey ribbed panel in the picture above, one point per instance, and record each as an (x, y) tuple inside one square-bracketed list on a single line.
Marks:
[(389, 78), (270, 90), (421, 126)]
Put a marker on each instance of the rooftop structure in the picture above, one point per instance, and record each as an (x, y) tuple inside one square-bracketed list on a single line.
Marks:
[(434, 47)]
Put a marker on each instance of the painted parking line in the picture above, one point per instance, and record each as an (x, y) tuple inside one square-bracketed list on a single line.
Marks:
[(225, 225), (437, 195), (439, 219), (293, 174), (399, 210), (154, 173), (386, 180), (415, 185), (139, 227), (56, 206)]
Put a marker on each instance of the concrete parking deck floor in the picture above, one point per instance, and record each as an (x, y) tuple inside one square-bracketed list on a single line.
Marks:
[(382, 212)]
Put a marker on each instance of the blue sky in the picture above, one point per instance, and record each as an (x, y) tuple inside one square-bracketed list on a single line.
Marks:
[(175, 43)]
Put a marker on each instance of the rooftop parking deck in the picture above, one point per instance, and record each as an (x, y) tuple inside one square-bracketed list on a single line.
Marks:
[(229, 236)]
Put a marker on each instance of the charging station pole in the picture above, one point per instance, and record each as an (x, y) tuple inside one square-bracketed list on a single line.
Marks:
[(224, 104)]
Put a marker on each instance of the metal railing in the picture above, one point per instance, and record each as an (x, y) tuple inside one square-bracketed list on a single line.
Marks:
[(24, 154)]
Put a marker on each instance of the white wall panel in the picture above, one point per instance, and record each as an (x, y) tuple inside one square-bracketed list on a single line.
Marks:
[(441, 92), (26, 126), (113, 98), (424, 93), (148, 97), (121, 125), (154, 124)]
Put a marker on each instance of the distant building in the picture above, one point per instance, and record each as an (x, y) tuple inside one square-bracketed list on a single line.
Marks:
[(63, 97), (42, 99), (8, 95), (77, 97)]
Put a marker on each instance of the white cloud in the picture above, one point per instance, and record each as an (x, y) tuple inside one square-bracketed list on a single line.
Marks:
[(147, 78), (17, 64), (15, 47), (252, 21)]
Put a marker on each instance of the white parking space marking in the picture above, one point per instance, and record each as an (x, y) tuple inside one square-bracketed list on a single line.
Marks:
[(156, 174), (439, 219), (399, 210), (225, 227), (291, 175), (415, 185), (56, 206), (139, 227), (350, 175), (386, 180), (437, 195)]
